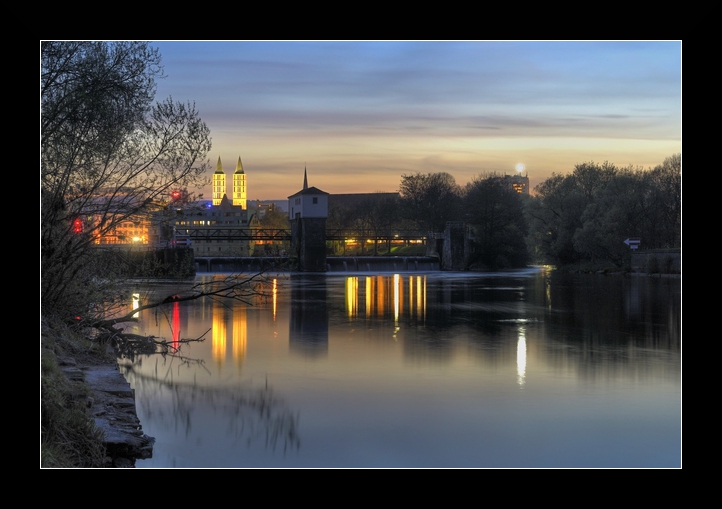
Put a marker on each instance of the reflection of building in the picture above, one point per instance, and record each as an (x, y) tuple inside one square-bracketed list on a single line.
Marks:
[(240, 333), (308, 327), (219, 332)]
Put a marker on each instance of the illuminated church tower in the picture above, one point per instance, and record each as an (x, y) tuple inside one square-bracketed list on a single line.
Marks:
[(239, 185), (219, 183)]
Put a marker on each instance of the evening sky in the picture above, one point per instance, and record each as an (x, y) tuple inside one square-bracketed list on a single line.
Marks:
[(357, 115)]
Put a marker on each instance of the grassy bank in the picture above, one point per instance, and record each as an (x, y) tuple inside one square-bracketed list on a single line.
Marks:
[(68, 435)]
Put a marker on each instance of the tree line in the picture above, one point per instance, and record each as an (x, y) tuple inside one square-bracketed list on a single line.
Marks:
[(581, 216)]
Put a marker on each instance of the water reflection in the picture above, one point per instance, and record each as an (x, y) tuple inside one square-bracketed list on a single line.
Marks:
[(521, 356), (249, 416), (229, 333), (308, 327), (582, 313), (175, 327), (386, 296), (553, 366)]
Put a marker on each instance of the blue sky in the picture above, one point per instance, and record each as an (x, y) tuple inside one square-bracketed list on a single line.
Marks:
[(360, 114)]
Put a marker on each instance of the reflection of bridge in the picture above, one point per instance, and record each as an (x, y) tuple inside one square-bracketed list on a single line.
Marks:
[(232, 233)]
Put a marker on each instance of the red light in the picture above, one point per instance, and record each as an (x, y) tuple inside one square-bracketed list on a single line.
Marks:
[(175, 194), (77, 226)]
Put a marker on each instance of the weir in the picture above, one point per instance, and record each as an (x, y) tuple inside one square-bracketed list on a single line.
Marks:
[(382, 263), (254, 264)]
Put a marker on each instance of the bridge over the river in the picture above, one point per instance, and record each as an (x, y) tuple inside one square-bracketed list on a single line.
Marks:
[(450, 246), (232, 233)]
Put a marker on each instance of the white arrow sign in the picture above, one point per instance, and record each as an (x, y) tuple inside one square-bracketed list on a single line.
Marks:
[(633, 242)]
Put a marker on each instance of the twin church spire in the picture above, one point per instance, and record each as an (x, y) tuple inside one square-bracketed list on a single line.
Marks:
[(240, 189)]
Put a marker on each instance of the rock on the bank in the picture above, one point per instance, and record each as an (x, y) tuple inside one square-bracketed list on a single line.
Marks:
[(112, 406)]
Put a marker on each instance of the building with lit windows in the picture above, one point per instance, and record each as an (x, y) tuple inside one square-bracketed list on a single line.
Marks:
[(518, 183), (218, 230), (239, 185), (219, 183), (222, 227), (111, 224), (217, 227)]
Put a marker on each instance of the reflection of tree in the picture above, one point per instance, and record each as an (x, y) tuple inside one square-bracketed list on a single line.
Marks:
[(253, 414)]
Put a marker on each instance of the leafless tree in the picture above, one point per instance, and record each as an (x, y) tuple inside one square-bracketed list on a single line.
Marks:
[(109, 153)]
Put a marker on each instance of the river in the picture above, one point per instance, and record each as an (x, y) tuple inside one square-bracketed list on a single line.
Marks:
[(534, 368)]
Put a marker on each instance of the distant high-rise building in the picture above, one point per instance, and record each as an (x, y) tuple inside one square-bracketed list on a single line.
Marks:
[(520, 184)]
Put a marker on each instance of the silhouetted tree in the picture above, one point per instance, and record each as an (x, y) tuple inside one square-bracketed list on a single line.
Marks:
[(107, 152), (588, 214), (554, 214), (667, 197), (619, 210), (274, 220), (430, 200), (495, 212)]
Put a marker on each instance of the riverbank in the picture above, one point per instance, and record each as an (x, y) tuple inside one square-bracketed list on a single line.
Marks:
[(88, 416)]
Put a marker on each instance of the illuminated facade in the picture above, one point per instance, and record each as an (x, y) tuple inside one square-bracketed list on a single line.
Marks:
[(239, 185), (518, 183), (239, 196), (132, 231), (219, 183), (125, 230), (214, 229)]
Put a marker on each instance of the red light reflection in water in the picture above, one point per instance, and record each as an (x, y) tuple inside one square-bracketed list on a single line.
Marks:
[(176, 324)]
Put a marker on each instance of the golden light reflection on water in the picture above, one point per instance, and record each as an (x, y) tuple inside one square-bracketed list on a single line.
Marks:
[(219, 334), (374, 299), (240, 334), (381, 296), (397, 298), (475, 355), (369, 291), (275, 297), (352, 296)]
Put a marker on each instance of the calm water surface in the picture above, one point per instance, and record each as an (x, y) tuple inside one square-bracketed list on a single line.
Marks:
[(528, 369)]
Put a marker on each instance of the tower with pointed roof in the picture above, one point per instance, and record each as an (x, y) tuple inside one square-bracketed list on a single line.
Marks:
[(239, 185), (219, 183), (308, 210)]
